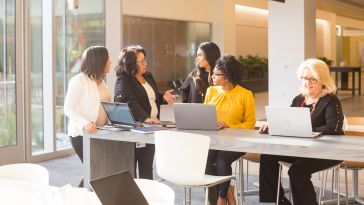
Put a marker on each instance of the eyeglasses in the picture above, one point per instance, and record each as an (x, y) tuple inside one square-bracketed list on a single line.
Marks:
[(310, 80), (143, 62), (217, 74)]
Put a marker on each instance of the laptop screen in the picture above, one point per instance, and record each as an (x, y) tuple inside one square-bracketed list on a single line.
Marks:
[(118, 189), (119, 113)]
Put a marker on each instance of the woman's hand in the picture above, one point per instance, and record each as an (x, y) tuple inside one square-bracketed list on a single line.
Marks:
[(90, 127), (263, 129), (168, 97), (221, 125), (151, 120)]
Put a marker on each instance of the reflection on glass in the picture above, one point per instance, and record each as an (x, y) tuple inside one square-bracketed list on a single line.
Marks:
[(7, 74), (75, 31), (36, 39), (170, 45)]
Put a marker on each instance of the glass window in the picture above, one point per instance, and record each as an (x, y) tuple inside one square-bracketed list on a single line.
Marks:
[(75, 30), (170, 45), (7, 74), (36, 65)]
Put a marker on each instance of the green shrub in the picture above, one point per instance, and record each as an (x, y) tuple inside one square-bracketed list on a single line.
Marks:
[(254, 66)]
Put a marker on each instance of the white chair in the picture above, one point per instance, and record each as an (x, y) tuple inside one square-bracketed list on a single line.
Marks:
[(26, 172), (181, 159), (156, 192)]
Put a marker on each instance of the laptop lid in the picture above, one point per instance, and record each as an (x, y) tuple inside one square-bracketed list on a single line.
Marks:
[(118, 189), (195, 116), (289, 121), (119, 114)]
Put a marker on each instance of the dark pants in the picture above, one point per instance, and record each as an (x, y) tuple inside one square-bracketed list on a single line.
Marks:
[(219, 164), (144, 159), (77, 144), (299, 174)]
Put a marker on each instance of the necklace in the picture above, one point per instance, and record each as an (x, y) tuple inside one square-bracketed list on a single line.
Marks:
[(312, 103)]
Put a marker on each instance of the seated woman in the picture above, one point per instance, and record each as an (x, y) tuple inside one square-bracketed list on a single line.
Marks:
[(235, 109), (85, 93), (136, 86), (317, 93)]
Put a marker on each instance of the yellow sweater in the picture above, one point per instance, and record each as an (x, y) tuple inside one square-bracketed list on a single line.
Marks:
[(234, 107)]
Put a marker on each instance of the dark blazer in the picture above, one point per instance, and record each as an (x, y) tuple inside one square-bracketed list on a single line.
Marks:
[(190, 94), (327, 117), (130, 90)]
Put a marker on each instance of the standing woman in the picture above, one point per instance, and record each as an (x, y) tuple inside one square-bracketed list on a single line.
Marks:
[(195, 86), (136, 86), (234, 109), (85, 92)]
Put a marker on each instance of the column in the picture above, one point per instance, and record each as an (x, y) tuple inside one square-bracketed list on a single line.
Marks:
[(291, 40)]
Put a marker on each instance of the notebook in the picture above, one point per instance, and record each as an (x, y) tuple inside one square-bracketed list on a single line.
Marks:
[(195, 116), (118, 189), (120, 116), (290, 121)]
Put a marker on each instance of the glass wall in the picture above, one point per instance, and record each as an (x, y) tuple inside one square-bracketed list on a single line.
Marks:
[(7, 74), (170, 45), (75, 30), (36, 65)]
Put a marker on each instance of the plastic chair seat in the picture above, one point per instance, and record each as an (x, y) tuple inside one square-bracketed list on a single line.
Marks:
[(352, 165), (252, 157)]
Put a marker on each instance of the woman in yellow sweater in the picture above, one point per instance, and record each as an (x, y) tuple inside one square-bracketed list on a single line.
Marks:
[(235, 109)]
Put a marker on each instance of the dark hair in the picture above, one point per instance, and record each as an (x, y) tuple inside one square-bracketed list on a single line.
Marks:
[(203, 79), (127, 60), (93, 62), (231, 68)]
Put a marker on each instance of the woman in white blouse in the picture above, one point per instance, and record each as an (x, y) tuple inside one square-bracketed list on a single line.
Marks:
[(136, 86), (85, 92)]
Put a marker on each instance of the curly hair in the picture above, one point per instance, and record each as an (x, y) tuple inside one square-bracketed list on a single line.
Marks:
[(231, 68), (127, 60)]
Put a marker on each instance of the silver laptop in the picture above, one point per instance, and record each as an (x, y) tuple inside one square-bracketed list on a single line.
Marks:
[(290, 121), (195, 116)]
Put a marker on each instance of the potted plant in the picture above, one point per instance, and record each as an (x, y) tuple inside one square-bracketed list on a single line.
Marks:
[(326, 60), (255, 72)]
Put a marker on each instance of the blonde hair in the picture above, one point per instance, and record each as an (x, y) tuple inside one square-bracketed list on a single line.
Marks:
[(320, 71)]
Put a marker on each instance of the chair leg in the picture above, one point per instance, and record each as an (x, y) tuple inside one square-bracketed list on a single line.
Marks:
[(346, 186), (184, 196), (207, 196), (241, 172), (332, 184), (338, 185), (247, 175), (189, 196), (322, 190), (279, 182)]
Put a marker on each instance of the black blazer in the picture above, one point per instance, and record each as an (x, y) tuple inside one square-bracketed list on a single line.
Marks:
[(130, 90), (189, 92), (327, 117)]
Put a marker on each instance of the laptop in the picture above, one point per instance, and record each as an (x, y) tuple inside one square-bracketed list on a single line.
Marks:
[(195, 116), (290, 121), (118, 189), (120, 116)]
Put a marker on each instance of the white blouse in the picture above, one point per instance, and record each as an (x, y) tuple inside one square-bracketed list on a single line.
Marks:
[(152, 98)]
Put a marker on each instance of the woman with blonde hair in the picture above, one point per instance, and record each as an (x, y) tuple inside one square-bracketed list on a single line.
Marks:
[(317, 94)]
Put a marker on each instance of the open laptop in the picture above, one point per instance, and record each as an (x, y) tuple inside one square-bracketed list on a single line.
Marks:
[(290, 121), (121, 116), (195, 116), (118, 189)]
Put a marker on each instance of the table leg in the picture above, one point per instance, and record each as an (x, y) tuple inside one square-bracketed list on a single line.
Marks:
[(359, 81), (336, 80), (353, 83)]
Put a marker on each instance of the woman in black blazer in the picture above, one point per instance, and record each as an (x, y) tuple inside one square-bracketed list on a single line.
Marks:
[(136, 86), (317, 94), (194, 87)]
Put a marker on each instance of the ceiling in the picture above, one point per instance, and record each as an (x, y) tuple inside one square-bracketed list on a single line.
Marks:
[(347, 8)]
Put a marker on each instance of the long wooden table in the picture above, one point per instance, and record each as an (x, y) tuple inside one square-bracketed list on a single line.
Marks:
[(107, 152)]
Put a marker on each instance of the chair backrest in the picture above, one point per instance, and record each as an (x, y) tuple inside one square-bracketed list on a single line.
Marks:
[(355, 120), (25, 172), (181, 157), (156, 192)]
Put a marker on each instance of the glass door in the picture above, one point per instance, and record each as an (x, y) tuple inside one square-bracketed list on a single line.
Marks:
[(11, 112)]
